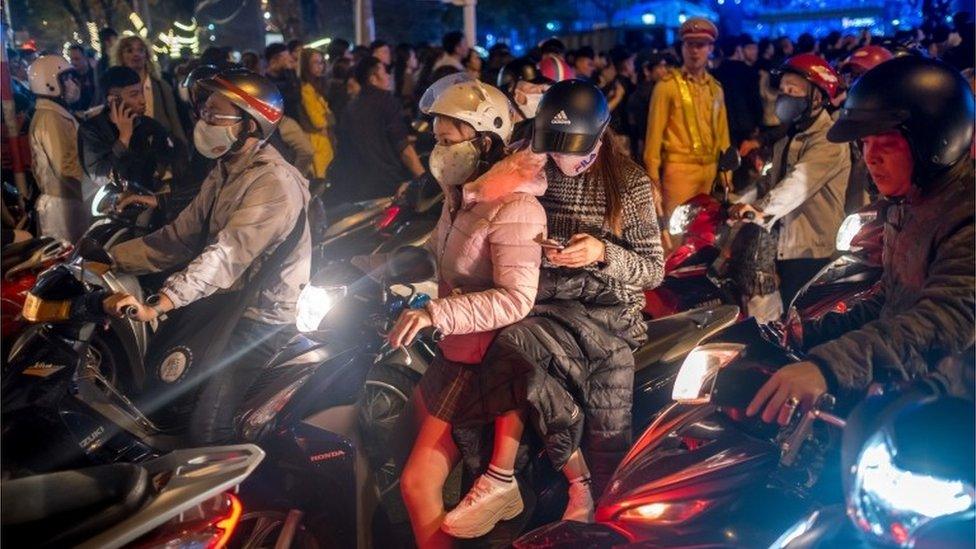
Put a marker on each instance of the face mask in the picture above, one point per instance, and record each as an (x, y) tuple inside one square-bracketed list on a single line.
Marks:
[(453, 164), (531, 105), (72, 93), (575, 164), (213, 141), (790, 109)]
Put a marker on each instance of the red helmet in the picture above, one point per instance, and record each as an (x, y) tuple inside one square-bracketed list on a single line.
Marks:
[(816, 70), (865, 58), (555, 69)]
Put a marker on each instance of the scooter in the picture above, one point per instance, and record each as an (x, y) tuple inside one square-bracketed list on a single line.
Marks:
[(22, 262), (59, 407), (327, 406), (908, 481), (183, 499), (704, 475)]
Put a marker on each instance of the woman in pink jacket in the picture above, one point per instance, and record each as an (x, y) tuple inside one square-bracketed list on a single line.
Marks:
[(487, 250)]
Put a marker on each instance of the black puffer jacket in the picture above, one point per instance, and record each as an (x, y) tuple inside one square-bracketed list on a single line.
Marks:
[(924, 313), (565, 365)]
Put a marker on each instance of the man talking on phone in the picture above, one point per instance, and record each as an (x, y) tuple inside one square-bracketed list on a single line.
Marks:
[(122, 143)]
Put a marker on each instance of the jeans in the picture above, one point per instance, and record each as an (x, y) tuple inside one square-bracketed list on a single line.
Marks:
[(251, 346)]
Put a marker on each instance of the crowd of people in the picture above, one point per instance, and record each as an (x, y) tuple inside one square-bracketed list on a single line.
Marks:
[(558, 169)]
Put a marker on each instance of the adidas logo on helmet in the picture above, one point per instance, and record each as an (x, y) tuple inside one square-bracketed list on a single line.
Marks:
[(561, 119)]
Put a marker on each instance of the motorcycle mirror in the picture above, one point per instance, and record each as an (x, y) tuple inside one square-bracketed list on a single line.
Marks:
[(92, 252), (729, 160), (410, 264)]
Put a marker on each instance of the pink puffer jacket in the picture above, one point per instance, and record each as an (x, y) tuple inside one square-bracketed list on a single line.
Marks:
[(488, 254)]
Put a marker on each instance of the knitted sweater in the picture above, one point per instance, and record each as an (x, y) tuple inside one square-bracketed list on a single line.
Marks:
[(635, 259)]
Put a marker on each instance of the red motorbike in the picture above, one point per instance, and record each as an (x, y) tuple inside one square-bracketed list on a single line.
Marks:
[(22, 261)]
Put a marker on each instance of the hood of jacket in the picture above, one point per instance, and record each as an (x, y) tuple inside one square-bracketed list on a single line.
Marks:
[(520, 172)]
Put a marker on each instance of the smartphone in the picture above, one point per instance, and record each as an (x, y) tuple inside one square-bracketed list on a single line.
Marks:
[(550, 244)]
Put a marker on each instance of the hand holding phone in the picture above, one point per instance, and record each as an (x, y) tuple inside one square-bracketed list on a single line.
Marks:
[(552, 244)]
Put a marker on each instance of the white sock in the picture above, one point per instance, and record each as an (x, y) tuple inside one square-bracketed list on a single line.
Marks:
[(499, 477)]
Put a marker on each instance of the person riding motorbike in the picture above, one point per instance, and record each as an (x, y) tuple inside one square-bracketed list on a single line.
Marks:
[(53, 138), (121, 141), (524, 85), (246, 239), (806, 191), (569, 366), (914, 119), (486, 246)]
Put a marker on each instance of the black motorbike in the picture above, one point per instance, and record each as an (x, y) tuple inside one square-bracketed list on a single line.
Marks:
[(58, 407), (703, 474), (327, 406), (183, 499)]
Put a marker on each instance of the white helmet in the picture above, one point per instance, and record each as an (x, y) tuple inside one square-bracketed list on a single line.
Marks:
[(464, 98), (44, 75)]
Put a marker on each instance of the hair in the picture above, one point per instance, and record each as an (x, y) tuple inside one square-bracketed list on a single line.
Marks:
[(366, 68), (729, 46), (78, 47), (118, 77), (305, 70), (610, 169), (451, 40), (337, 49), (401, 56), (274, 49), (553, 46), (377, 44), (806, 43), (359, 53), (342, 69), (251, 61), (116, 55), (585, 52), (294, 45), (619, 55), (105, 33)]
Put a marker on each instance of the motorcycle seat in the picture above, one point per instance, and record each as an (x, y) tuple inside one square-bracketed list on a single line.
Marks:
[(66, 507), (18, 252), (672, 337)]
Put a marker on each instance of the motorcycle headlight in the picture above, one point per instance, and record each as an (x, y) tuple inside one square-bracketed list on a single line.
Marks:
[(681, 217), (314, 303), (892, 504), (693, 384)]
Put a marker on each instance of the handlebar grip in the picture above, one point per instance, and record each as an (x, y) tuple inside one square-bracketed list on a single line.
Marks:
[(130, 311), (432, 334)]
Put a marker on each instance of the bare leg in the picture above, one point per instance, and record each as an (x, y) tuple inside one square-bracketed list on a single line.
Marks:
[(576, 466), (508, 433), (422, 483)]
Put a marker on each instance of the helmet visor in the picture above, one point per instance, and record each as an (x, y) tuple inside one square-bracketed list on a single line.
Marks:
[(437, 88), (857, 123), (563, 142)]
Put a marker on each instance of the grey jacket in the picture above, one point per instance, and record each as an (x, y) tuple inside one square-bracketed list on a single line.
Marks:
[(924, 312), (257, 198), (54, 150), (809, 198)]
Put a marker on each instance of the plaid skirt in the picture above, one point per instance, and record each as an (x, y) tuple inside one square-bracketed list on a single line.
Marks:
[(444, 386)]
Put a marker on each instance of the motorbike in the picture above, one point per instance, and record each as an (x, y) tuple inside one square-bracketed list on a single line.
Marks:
[(326, 407), (704, 475), (61, 407), (907, 483), (380, 226), (183, 499), (691, 281), (22, 262)]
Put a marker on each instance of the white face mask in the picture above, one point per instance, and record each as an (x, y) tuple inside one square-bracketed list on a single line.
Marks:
[(453, 164), (575, 164), (213, 141), (531, 105)]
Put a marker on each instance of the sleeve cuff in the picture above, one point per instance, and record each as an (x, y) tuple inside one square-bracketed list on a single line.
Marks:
[(832, 385), (613, 259), (118, 149)]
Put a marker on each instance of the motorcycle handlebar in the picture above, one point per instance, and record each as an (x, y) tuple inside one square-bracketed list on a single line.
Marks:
[(130, 311)]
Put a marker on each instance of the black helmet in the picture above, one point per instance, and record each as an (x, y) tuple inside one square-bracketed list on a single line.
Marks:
[(254, 94), (927, 100), (192, 80), (522, 69), (571, 118)]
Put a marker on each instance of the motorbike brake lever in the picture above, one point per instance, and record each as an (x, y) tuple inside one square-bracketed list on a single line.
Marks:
[(790, 448)]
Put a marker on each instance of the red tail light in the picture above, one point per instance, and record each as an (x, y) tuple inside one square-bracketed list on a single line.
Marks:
[(389, 215), (209, 525)]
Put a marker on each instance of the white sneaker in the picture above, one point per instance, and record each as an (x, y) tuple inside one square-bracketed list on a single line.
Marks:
[(485, 505), (580, 506)]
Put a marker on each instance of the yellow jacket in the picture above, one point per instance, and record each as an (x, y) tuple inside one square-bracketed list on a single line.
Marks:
[(669, 138), (318, 113)]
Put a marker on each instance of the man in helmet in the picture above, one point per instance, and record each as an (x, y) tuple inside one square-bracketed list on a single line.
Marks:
[(687, 125), (913, 117), (524, 85), (249, 252), (806, 192), (53, 134)]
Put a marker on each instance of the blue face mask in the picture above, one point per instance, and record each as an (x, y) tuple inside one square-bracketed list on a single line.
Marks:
[(791, 109)]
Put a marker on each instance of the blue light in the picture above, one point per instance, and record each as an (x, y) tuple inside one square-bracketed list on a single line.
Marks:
[(553, 26), (721, 2), (650, 18), (896, 22), (490, 37), (682, 17), (210, 26)]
